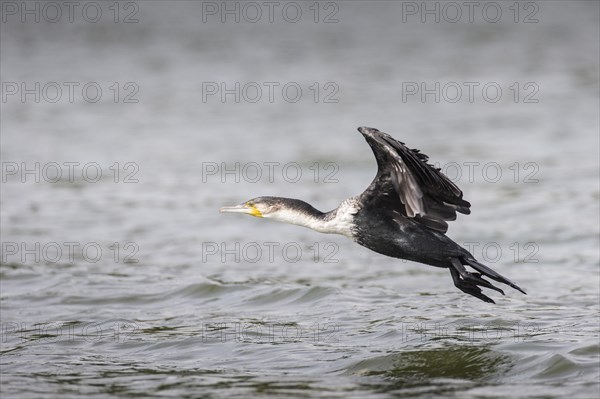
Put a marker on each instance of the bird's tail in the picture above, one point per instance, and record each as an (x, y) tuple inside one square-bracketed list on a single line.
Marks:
[(486, 271)]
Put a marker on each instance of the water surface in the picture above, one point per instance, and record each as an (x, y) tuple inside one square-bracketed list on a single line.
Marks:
[(185, 302)]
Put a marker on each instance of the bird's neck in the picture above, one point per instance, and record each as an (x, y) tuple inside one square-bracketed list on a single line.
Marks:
[(337, 221)]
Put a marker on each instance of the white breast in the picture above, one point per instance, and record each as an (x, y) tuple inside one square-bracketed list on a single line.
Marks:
[(342, 223)]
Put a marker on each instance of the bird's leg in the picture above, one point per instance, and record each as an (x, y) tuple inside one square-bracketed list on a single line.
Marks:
[(467, 286), (469, 282), (475, 278)]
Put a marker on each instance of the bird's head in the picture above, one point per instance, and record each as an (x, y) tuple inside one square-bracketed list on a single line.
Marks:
[(286, 210), (262, 207)]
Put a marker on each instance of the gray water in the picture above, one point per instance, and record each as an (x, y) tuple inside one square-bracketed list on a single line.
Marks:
[(122, 278)]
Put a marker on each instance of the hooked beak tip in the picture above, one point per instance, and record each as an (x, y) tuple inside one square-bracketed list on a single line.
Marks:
[(234, 208), (245, 209)]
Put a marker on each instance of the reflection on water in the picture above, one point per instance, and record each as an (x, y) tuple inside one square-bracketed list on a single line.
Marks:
[(435, 371)]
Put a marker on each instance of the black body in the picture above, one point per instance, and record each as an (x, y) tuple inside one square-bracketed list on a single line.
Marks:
[(403, 214), (389, 233)]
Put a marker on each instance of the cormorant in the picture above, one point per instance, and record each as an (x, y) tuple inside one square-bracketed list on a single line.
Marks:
[(401, 214)]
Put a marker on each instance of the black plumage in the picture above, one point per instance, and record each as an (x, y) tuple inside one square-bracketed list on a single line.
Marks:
[(403, 214)]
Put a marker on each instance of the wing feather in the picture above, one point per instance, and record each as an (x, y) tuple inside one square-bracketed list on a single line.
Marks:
[(407, 183)]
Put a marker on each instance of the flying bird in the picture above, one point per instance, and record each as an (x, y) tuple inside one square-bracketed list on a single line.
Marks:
[(403, 214)]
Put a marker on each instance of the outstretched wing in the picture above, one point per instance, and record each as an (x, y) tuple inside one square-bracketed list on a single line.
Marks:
[(406, 183)]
